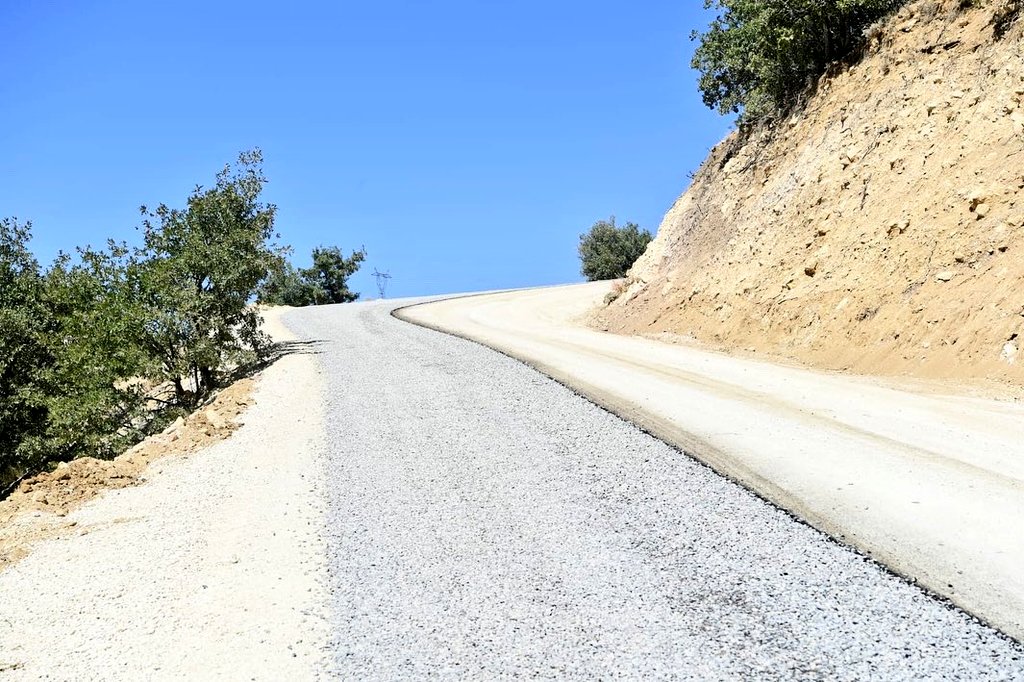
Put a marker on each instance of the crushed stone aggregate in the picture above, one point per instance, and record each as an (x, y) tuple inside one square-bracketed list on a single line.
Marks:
[(484, 521)]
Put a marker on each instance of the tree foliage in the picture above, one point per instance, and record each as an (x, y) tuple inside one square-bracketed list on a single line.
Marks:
[(95, 397), (608, 251), (87, 345), (326, 281), (286, 285), (758, 56), (195, 275), (330, 272), (24, 354)]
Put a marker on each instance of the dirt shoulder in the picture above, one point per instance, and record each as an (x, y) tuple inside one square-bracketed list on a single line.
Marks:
[(193, 542)]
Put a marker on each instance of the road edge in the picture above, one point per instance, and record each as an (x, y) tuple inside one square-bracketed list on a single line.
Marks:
[(705, 454)]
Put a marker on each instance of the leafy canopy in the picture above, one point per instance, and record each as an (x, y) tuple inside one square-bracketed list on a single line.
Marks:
[(608, 251), (758, 56), (326, 281), (330, 272), (24, 354), (195, 275), (106, 347), (67, 357), (95, 394)]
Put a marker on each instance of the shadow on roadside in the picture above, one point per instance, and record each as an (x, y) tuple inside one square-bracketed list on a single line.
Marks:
[(278, 350)]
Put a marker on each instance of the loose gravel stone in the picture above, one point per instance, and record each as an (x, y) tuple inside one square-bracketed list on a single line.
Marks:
[(486, 522), (211, 570)]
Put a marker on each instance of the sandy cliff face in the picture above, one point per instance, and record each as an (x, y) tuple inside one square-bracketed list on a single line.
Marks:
[(879, 231)]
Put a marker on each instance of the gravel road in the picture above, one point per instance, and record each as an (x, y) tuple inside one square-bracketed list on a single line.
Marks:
[(484, 522), (409, 505), (928, 483)]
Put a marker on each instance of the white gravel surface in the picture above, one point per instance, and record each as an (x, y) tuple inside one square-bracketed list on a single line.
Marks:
[(487, 523), (214, 569), (930, 484), (433, 509)]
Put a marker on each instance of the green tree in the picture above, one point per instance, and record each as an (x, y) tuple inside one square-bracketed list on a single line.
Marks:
[(330, 272), (66, 358), (758, 56), (608, 251), (326, 281), (196, 274), (96, 383), (84, 345), (24, 354), (286, 285)]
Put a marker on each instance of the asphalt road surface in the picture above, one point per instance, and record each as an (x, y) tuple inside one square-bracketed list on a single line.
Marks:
[(483, 521)]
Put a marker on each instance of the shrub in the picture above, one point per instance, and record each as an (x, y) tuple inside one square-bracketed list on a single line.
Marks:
[(195, 275), (325, 282), (758, 56), (95, 386), (84, 344), (330, 272), (608, 251), (66, 358)]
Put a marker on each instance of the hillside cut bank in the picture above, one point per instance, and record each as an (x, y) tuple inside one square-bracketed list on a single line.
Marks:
[(879, 230)]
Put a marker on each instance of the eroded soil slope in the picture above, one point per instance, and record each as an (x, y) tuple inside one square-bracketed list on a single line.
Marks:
[(879, 231), (37, 510)]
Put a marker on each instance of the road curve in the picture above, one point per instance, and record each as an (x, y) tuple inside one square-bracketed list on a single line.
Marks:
[(484, 522), (930, 485)]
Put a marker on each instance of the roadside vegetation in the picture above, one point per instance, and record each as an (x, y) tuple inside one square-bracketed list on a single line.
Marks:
[(759, 58), (326, 281), (109, 345), (608, 251)]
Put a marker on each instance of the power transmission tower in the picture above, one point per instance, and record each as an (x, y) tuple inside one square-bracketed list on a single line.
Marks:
[(382, 281)]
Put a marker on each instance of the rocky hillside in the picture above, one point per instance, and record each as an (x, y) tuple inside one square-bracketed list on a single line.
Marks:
[(879, 231)]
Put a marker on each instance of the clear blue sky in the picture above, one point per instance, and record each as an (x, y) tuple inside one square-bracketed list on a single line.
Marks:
[(465, 144)]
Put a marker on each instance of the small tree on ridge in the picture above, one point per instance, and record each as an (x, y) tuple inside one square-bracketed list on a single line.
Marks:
[(608, 251)]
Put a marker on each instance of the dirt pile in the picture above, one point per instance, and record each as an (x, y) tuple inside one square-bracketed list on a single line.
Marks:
[(36, 509), (881, 230)]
